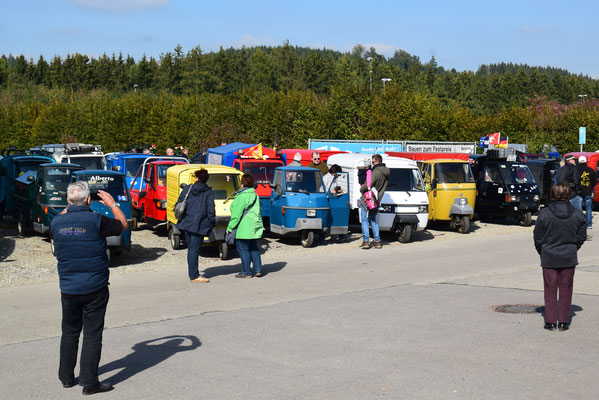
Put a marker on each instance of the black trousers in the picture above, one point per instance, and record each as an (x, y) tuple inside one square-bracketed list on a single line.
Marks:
[(82, 312)]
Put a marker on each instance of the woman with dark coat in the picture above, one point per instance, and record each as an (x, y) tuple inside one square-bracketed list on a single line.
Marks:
[(198, 221), (560, 230)]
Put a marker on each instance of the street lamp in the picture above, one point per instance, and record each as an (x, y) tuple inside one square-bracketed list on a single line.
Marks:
[(385, 80), (369, 59), (135, 87), (582, 96)]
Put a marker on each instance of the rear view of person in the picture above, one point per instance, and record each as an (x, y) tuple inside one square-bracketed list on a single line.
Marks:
[(198, 221), (559, 232)]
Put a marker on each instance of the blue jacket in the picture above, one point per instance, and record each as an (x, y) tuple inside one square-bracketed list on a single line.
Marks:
[(80, 250), (199, 215)]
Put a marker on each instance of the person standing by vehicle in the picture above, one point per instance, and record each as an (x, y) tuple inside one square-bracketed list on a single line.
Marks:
[(560, 230), (170, 152), (297, 160), (379, 179), (246, 217), (316, 163), (588, 180), (79, 236), (569, 174), (330, 179), (198, 221)]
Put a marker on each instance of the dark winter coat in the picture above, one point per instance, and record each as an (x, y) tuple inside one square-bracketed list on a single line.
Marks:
[(199, 215), (588, 179), (559, 232), (378, 180), (569, 174)]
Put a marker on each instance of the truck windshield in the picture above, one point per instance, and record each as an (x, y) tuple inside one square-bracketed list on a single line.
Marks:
[(514, 174), (263, 172), (161, 178), (22, 167), (453, 173), (223, 185), (404, 180), (304, 181), (57, 179), (88, 162), (132, 166), (113, 184)]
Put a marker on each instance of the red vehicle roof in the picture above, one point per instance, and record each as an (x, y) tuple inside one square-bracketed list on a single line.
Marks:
[(429, 156), (307, 154)]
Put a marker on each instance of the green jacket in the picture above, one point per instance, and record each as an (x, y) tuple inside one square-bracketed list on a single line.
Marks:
[(250, 226)]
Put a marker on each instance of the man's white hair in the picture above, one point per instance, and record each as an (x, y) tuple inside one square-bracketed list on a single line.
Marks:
[(77, 193)]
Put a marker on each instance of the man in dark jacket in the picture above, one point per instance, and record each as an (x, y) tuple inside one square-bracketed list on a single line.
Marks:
[(79, 236), (560, 230), (588, 180), (569, 174), (379, 179), (198, 221), (318, 164)]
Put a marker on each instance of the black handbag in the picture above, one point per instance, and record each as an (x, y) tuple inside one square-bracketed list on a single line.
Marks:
[(230, 236), (181, 207)]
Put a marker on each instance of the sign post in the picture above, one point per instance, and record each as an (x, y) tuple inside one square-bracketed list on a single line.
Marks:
[(582, 136)]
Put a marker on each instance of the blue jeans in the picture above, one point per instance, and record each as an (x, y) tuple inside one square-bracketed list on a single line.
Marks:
[(577, 202), (588, 209), (250, 254), (369, 217), (194, 244)]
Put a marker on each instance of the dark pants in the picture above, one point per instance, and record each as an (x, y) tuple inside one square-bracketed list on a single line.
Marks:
[(87, 312), (194, 244), (554, 279), (250, 254)]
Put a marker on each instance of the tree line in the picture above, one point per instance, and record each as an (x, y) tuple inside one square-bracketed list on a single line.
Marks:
[(252, 94)]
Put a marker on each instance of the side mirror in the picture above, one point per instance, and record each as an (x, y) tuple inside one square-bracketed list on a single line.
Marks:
[(31, 178), (434, 183), (182, 185), (147, 180)]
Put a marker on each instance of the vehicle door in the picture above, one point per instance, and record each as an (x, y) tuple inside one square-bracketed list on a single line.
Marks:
[(277, 196), (338, 198), (430, 184), (492, 191), (151, 190)]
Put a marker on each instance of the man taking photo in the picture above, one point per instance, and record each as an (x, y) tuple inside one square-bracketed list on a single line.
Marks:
[(79, 236)]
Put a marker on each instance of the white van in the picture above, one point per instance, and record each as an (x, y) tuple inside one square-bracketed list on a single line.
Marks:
[(404, 206)]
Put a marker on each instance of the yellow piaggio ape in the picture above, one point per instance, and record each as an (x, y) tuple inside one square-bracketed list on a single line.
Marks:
[(224, 181)]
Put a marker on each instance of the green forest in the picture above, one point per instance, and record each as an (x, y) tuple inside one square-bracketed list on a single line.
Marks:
[(199, 99)]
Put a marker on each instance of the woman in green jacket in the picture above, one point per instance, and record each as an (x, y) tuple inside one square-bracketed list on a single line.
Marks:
[(249, 227)]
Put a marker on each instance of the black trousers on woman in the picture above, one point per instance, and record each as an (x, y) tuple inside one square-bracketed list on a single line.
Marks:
[(82, 312)]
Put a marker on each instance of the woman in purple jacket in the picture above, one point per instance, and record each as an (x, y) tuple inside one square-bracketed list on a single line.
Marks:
[(560, 230)]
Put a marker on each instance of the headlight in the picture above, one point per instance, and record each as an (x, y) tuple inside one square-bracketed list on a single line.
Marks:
[(310, 213), (511, 198), (462, 201), (423, 209), (536, 198), (387, 208), (160, 204)]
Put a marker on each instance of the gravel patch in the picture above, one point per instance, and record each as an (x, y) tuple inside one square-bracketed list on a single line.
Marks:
[(29, 260)]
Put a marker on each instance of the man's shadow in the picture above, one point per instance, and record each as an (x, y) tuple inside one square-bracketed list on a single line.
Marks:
[(146, 355)]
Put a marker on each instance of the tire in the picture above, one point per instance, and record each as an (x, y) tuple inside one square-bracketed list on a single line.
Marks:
[(134, 224), (405, 234), (307, 238), (22, 225), (464, 224), (526, 219), (223, 250), (175, 239)]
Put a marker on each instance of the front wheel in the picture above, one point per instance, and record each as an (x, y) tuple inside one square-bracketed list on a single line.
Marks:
[(175, 239), (307, 238), (526, 219), (405, 234), (223, 249), (21, 225), (134, 223), (464, 224)]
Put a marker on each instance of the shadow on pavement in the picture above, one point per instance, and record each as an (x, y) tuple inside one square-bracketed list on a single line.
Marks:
[(573, 309), (234, 269), (147, 355), (137, 255)]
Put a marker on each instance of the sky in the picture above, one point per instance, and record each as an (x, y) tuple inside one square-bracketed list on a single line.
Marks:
[(459, 34)]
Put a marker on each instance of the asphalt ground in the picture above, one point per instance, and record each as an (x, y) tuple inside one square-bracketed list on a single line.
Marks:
[(407, 321)]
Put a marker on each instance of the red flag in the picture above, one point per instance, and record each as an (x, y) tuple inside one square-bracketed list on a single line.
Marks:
[(494, 138)]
